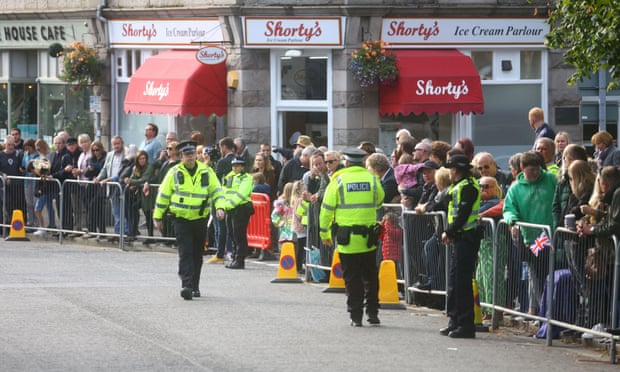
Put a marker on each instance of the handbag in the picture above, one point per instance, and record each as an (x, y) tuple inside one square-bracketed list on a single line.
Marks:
[(597, 262)]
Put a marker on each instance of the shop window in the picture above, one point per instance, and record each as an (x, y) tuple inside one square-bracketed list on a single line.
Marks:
[(530, 64), (126, 62), (50, 67), (503, 129), (23, 64), (303, 78), (484, 64), (23, 105), (4, 100), (312, 124), (61, 109), (4, 63)]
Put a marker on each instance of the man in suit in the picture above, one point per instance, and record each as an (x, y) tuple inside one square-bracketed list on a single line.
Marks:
[(110, 173)]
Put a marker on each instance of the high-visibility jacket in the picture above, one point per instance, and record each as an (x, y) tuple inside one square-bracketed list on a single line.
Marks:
[(454, 195), (351, 199), (237, 189), (187, 196), (302, 211)]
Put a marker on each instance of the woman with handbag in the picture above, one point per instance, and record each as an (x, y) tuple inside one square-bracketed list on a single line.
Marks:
[(599, 259)]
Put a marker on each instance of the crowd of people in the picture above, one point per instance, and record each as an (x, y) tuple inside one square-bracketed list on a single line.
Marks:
[(554, 179)]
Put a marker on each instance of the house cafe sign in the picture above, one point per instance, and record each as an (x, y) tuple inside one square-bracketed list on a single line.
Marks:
[(40, 34), (211, 55)]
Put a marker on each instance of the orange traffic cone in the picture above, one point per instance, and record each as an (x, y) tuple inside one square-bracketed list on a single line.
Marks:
[(336, 281), (388, 287), (287, 268), (18, 227)]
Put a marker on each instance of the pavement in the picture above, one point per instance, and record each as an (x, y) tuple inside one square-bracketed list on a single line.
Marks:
[(77, 307)]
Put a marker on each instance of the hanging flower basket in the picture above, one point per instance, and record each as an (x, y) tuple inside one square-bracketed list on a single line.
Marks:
[(372, 64), (82, 66)]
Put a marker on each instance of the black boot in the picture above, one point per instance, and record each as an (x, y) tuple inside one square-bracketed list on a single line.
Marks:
[(238, 263)]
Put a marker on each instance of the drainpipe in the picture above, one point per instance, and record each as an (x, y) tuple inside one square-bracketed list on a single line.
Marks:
[(106, 42), (103, 19)]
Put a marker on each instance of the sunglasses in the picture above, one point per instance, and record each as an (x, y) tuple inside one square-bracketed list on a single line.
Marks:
[(169, 148), (484, 186), (484, 167), (96, 150)]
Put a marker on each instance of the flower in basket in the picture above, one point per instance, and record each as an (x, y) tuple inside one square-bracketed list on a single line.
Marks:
[(373, 63), (81, 66)]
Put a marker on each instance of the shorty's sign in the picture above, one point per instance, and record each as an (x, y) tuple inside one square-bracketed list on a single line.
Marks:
[(459, 31), (211, 55), (452, 89), (172, 32), (324, 32), (40, 34), (159, 90)]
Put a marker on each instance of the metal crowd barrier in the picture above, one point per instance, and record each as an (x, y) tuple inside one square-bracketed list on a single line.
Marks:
[(517, 283), (425, 257)]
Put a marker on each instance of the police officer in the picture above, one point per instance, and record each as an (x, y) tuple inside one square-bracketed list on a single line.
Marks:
[(462, 232), (189, 189), (351, 201), (238, 190)]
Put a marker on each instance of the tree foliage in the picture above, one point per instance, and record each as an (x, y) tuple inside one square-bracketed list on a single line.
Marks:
[(588, 31)]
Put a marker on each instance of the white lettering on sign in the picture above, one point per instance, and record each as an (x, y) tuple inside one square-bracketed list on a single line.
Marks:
[(426, 88), (160, 91), (358, 186)]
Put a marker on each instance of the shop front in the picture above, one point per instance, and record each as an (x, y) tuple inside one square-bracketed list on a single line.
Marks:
[(301, 73), (463, 77), (34, 98), (158, 78)]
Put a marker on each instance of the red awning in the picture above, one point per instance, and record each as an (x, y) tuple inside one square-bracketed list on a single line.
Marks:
[(432, 81), (177, 83)]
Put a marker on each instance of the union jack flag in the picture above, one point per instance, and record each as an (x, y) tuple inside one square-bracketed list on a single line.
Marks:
[(540, 243)]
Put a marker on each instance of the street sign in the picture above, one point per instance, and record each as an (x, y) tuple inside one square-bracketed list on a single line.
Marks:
[(95, 103)]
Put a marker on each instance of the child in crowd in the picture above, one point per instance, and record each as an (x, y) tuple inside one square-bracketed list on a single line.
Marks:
[(282, 215), (300, 221), (391, 237)]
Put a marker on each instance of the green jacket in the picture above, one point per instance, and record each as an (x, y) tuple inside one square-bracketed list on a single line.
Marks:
[(531, 202)]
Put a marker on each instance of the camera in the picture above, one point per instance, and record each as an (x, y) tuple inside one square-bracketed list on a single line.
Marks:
[(214, 153)]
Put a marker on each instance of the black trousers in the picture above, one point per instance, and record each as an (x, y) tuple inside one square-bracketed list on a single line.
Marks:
[(460, 307), (361, 280), (237, 221), (190, 240)]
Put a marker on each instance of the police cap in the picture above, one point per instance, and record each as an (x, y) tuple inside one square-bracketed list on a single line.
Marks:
[(238, 160), (458, 161), (354, 155), (186, 146)]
